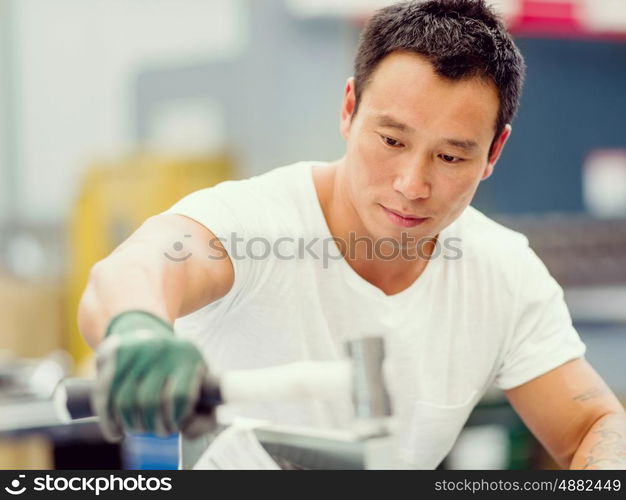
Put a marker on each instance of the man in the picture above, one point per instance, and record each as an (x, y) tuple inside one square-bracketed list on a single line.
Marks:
[(462, 302)]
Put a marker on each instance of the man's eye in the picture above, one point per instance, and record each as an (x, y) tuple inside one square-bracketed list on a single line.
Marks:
[(451, 159), (392, 143)]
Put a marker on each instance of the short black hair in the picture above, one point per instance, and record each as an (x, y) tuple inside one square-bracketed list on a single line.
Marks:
[(460, 38)]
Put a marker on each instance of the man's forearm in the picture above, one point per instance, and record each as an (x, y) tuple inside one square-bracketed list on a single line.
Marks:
[(604, 446), (120, 284)]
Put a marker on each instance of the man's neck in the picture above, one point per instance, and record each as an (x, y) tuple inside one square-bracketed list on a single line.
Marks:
[(390, 275)]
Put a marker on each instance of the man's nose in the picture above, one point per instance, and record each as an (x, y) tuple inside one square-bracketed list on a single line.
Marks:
[(413, 181)]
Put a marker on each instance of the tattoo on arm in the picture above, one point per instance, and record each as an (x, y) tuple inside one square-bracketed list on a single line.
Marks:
[(591, 393), (610, 450)]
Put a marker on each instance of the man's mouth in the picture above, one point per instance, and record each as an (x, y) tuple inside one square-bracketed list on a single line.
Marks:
[(403, 219)]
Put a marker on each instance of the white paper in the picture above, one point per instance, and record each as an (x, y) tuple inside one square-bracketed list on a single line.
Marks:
[(236, 448)]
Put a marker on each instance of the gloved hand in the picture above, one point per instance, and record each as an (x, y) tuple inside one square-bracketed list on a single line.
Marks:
[(148, 380)]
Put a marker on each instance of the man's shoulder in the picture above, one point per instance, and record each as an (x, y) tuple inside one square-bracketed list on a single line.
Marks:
[(478, 228), (284, 173), (487, 243), (278, 183), (281, 200), (275, 192)]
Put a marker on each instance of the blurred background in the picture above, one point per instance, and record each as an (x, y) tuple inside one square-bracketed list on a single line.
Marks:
[(111, 110)]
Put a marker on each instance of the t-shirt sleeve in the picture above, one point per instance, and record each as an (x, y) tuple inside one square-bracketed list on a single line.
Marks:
[(228, 210), (542, 336)]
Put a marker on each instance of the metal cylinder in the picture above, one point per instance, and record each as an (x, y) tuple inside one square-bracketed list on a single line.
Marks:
[(369, 394)]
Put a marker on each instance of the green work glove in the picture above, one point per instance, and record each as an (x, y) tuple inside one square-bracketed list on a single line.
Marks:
[(148, 380)]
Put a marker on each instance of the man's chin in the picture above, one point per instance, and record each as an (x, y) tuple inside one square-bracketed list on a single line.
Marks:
[(404, 238)]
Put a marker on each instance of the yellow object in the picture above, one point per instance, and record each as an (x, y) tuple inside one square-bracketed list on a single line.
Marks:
[(30, 452), (114, 200), (31, 319)]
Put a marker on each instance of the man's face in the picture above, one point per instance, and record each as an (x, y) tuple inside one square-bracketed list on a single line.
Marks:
[(418, 145)]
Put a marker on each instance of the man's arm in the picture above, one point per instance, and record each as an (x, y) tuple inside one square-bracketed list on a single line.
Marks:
[(575, 415), (604, 446), (170, 267), (149, 379)]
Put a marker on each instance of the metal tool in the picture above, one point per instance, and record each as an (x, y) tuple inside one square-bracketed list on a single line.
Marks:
[(359, 377), (26, 388)]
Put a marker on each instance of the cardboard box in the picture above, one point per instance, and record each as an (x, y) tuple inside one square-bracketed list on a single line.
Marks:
[(31, 317), (28, 452)]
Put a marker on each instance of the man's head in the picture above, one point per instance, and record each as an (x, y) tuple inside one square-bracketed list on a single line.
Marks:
[(460, 38), (436, 85)]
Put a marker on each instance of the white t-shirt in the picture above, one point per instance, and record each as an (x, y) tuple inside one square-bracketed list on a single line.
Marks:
[(484, 312)]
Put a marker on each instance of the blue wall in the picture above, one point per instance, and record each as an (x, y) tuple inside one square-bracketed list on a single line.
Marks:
[(574, 101)]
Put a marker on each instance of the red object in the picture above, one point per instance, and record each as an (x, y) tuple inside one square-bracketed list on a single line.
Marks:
[(545, 17), (550, 18)]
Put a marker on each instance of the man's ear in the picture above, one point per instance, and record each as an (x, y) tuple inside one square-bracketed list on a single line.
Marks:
[(347, 108), (498, 145)]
